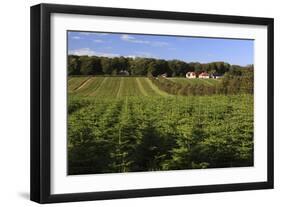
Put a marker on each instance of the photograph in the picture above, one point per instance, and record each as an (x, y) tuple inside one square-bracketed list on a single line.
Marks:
[(153, 102), (133, 103)]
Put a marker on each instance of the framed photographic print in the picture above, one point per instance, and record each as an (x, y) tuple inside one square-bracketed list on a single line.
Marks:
[(133, 103)]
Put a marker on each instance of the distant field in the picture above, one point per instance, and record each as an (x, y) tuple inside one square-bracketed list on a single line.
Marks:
[(113, 87), (194, 81)]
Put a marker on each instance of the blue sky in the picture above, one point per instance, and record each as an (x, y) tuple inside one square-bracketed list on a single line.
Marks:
[(189, 49)]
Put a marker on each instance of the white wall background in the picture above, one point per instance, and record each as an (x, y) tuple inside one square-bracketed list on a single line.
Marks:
[(14, 101)]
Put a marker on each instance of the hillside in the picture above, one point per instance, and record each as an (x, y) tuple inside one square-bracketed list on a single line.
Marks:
[(113, 87), (127, 124)]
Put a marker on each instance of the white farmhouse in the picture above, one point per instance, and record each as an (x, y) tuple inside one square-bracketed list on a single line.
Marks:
[(190, 75), (217, 76), (124, 72), (204, 75)]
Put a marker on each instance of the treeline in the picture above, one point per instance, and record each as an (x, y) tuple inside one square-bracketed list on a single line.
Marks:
[(93, 65), (239, 81)]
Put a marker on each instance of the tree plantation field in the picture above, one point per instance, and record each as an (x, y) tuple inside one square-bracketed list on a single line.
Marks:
[(127, 124), (184, 81)]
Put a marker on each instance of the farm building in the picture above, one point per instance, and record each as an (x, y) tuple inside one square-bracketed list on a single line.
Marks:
[(216, 76), (190, 75), (123, 72), (204, 75)]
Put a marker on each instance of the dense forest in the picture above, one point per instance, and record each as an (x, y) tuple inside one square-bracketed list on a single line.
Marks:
[(93, 65)]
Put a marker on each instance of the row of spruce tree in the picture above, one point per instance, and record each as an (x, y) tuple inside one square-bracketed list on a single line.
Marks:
[(230, 84)]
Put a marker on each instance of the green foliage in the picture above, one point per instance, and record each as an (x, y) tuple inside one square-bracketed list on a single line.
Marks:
[(127, 125), (93, 65), (73, 65), (229, 84)]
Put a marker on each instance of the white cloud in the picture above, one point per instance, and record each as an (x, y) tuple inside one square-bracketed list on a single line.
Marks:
[(98, 41), (160, 44), (89, 52), (85, 33), (132, 39), (130, 56), (145, 54), (141, 55), (100, 34), (76, 37), (129, 38), (94, 33)]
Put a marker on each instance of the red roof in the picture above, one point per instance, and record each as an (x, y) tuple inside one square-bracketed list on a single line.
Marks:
[(204, 74)]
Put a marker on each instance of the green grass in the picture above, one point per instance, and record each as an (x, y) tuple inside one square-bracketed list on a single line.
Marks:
[(74, 83), (113, 87), (195, 81)]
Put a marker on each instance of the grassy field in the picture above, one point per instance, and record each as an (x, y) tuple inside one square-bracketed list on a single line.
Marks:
[(113, 87), (184, 81), (127, 124)]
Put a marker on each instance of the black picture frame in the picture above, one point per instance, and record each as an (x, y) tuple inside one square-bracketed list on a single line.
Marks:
[(41, 96)]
